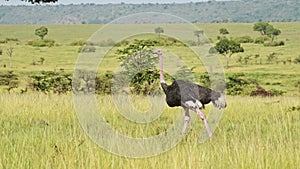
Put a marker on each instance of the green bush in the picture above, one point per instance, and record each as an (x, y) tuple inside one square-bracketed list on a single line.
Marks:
[(238, 84), (275, 43), (3, 41), (261, 40), (1, 51), (78, 43), (42, 43), (145, 82), (104, 83), (51, 82), (244, 39), (297, 60), (12, 39), (87, 49), (9, 80), (87, 82)]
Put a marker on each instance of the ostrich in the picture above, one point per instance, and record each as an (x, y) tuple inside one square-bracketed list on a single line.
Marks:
[(190, 96)]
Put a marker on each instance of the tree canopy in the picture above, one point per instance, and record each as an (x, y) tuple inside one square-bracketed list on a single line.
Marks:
[(39, 1), (41, 32), (228, 47), (266, 29)]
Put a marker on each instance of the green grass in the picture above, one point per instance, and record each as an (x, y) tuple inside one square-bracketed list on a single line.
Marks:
[(64, 56), (42, 131), (45, 133)]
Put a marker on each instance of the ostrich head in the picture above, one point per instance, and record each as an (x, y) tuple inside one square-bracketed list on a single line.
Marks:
[(219, 101), (158, 52)]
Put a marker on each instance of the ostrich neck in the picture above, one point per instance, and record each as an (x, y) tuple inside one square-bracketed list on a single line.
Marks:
[(162, 80)]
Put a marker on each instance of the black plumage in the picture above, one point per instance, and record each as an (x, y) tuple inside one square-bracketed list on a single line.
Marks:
[(190, 96), (182, 91)]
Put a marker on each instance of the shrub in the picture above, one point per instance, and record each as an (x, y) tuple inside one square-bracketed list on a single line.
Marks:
[(297, 60), (1, 51), (145, 82), (244, 39), (51, 81), (42, 43), (108, 42), (261, 40), (274, 43), (104, 83), (87, 82), (78, 43), (87, 49), (12, 39), (3, 41), (9, 79), (238, 84)]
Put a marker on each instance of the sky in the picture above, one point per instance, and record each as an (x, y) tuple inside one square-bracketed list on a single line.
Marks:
[(19, 2)]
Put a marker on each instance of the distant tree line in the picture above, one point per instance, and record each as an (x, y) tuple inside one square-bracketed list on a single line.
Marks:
[(214, 11)]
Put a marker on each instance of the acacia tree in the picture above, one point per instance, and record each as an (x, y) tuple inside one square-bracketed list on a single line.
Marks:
[(158, 31), (266, 29), (198, 33), (41, 32), (227, 48), (261, 27), (223, 31), (10, 55), (139, 63), (272, 32)]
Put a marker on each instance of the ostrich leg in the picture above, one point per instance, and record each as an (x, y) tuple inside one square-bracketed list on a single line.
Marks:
[(202, 116), (186, 119)]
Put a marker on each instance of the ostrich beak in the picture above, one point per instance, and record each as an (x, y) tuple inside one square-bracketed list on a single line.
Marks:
[(158, 52)]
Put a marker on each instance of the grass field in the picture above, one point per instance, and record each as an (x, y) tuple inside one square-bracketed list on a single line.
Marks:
[(64, 56), (43, 131)]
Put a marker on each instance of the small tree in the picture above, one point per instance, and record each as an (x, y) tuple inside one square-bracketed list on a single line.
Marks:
[(41, 32), (261, 27), (272, 32), (139, 64), (266, 29), (158, 31), (198, 33), (223, 31), (227, 48), (10, 55)]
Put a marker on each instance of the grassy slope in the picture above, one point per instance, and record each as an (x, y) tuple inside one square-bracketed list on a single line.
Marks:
[(38, 131), (64, 56), (260, 134)]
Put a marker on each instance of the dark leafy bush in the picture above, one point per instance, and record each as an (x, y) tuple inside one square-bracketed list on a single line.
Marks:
[(145, 82), (3, 41), (12, 39), (297, 60), (87, 49), (51, 82), (42, 43), (244, 39), (276, 92), (294, 108), (104, 83), (275, 43), (9, 80), (239, 84), (88, 82), (78, 43), (1, 51), (261, 40)]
